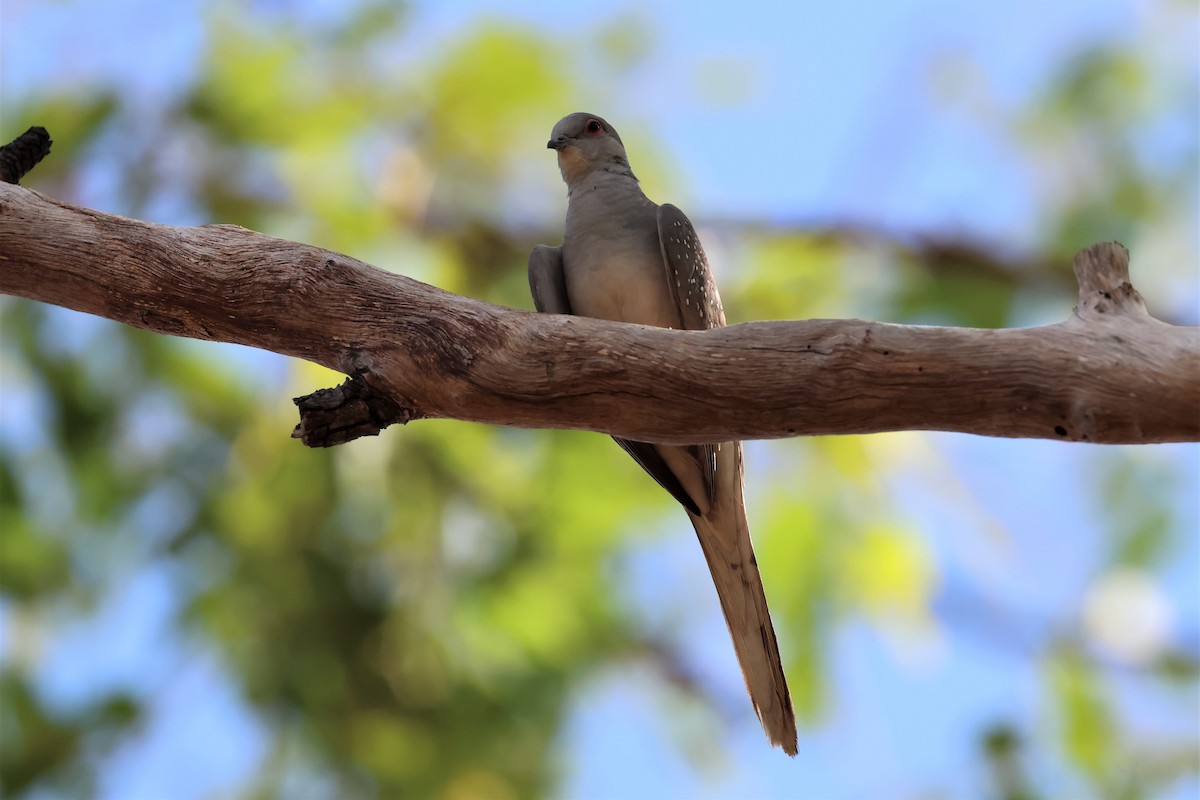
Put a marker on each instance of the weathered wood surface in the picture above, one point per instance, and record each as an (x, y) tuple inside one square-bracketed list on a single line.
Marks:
[(1108, 374)]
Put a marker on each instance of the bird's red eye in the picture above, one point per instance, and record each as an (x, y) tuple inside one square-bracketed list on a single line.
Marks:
[(593, 127)]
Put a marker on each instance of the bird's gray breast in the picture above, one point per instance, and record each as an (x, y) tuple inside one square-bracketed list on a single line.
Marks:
[(612, 259)]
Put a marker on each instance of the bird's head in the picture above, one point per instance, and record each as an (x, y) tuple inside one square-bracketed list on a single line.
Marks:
[(586, 143)]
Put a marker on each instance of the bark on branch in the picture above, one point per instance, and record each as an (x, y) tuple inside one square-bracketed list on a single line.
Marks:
[(1110, 373)]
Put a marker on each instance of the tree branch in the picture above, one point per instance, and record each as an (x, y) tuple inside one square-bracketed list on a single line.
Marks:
[(1109, 374)]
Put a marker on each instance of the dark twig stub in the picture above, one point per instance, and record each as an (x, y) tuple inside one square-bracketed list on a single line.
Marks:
[(23, 154), (335, 416)]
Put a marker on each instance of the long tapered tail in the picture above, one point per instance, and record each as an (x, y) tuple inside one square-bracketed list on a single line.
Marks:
[(725, 538)]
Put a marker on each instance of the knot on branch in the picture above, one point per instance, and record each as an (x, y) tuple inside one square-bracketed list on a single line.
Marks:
[(335, 416), (1102, 271), (23, 153)]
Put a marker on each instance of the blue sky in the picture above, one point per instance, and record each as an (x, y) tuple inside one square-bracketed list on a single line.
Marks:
[(834, 117), (841, 92)]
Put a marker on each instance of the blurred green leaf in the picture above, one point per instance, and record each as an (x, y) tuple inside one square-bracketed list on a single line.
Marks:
[(1085, 722)]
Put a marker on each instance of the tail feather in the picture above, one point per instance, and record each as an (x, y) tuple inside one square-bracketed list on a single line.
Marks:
[(725, 539)]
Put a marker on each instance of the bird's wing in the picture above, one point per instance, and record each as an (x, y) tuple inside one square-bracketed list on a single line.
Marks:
[(694, 291), (723, 531), (549, 288), (692, 284), (650, 459), (547, 282)]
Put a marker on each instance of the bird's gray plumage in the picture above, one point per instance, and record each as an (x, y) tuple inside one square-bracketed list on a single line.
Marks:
[(627, 259)]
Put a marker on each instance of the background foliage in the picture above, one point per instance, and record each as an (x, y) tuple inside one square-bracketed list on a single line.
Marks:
[(192, 604)]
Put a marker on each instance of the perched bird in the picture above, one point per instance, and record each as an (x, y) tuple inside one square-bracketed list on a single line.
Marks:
[(627, 259)]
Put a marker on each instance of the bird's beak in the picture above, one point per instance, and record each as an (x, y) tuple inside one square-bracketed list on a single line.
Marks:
[(558, 142)]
